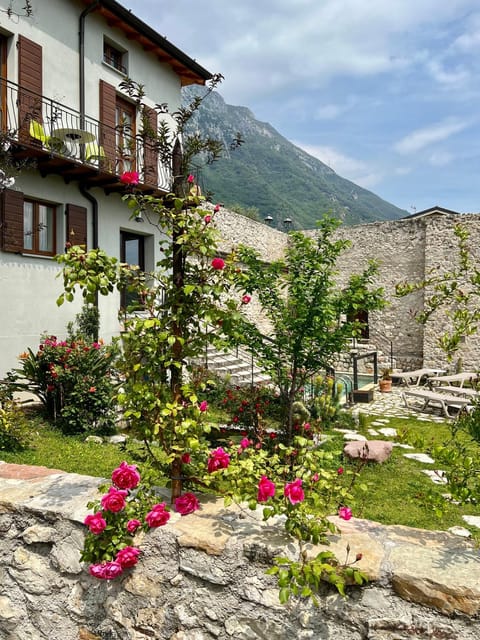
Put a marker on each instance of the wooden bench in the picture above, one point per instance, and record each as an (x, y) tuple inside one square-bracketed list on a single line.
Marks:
[(443, 400)]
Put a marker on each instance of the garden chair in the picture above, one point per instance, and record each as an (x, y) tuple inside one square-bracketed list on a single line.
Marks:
[(38, 133)]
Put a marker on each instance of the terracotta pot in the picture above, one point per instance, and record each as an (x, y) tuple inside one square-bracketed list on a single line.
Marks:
[(385, 385)]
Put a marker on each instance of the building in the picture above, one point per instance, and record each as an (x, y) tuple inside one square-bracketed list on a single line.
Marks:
[(67, 116)]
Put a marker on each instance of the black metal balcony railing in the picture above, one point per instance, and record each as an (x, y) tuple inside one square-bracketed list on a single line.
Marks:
[(79, 147)]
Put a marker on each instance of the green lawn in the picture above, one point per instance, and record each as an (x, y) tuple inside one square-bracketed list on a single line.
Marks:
[(396, 491)]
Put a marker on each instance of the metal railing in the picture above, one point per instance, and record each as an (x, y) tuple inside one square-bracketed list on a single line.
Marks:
[(35, 120)]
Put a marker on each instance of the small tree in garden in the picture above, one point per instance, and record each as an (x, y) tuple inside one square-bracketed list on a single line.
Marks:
[(304, 304), (189, 300)]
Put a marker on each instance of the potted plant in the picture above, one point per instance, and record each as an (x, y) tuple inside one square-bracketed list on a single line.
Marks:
[(385, 382)]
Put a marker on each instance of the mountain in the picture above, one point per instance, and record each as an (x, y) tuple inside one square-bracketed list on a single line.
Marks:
[(271, 174)]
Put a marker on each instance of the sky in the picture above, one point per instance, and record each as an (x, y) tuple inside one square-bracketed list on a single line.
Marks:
[(385, 92)]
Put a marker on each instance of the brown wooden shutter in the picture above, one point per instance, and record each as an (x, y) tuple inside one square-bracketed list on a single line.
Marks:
[(150, 152), (11, 221), (30, 82), (108, 96), (76, 225)]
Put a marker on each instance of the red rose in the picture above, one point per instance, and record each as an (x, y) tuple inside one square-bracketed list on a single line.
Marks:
[(186, 503), (218, 459), (294, 492), (127, 557), (218, 264), (158, 516), (126, 476), (96, 522), (266, 489), (129, 177), (114, 500)]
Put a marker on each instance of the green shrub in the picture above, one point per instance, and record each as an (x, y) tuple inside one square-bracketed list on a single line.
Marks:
[(13, 427), (75, 381)]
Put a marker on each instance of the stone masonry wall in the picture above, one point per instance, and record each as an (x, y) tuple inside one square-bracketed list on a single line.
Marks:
[(406, 250), (202, 576)]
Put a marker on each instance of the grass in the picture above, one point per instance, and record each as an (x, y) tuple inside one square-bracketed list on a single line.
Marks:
[(395, 492)]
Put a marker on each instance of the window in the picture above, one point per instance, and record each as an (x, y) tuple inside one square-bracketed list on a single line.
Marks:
[(362, 318), (132, 252), (38, 228), (114, 57)]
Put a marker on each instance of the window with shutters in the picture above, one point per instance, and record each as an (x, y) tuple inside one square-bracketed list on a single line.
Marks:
[(39, 227)]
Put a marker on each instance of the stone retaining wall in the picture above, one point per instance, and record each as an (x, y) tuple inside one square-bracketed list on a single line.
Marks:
[(202, 577)]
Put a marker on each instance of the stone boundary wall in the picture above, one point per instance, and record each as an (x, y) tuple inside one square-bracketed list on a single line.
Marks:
[(406, 249), (202, 576)]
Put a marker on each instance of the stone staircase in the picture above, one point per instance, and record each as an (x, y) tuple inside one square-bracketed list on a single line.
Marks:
[(237, 366)]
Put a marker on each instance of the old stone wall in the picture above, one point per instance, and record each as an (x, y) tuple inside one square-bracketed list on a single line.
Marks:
[(202, 576), (406, 250)]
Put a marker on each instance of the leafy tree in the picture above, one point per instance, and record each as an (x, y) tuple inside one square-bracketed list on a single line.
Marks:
[(301, 298)]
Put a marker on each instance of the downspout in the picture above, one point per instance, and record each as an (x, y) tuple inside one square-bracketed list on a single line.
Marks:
[(81, 58)]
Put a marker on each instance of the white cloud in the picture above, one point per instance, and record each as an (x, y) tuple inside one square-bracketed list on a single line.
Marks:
[(440, 158), (421, 138), (457, 77), (346, 166), (268, 47)]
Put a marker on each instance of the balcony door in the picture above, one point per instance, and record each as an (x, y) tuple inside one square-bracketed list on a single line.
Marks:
[(125, 114)]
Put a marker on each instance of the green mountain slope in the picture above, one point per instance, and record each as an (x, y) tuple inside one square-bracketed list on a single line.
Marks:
[(273, 175)]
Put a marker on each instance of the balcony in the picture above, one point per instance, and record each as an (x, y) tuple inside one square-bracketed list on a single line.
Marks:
[(60, 140)]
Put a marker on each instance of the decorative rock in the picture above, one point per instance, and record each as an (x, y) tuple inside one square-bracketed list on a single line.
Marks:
[(437, 476), (388, 432), (117, 439), (371, 450), (460, 531), (474, 521), (419, 457), (96, 439)]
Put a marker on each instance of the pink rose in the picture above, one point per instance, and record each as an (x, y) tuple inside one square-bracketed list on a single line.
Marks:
[(218, 264), (191, 178), (246, 299), (344, 513), (132, 525), (294, 492), (96, 522), (207, 219), (129, 177), (315, 477), (114, 500), (266, 489), (127, 557), (217, 208), (245, 443), (106, 570), (158, 516), (186, 458), (126, 476), (218, 459), (186, 503), (203, 406)]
